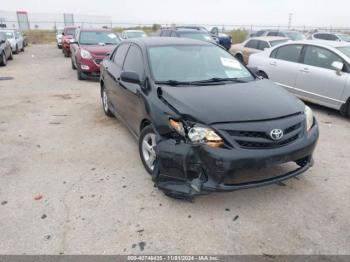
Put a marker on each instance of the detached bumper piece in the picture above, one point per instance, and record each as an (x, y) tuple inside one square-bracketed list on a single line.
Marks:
[(185, 170)]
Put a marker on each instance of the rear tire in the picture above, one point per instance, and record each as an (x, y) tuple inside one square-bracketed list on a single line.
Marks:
[(105, 103), (147, 142), (3, 60), (240, 58)]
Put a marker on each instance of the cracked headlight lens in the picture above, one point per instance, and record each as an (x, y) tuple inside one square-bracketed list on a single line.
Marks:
[(197, 133), (309, 118), (205, 135)]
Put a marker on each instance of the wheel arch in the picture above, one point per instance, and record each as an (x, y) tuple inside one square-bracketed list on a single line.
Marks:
[(145, 122)]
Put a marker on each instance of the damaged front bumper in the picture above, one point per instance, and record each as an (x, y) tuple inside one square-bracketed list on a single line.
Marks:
[(185, 170)]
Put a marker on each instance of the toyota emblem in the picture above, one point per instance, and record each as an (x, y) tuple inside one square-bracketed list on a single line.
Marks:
[(276, 134)]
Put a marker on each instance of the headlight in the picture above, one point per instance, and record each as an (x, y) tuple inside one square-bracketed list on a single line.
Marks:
[(309, 118), (85, 54), (198, 134)]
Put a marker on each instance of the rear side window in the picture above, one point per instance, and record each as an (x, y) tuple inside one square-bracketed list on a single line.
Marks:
[(289, 53), (120, 53), (263, 45), (320, 57), (252, 44), (133, 61)]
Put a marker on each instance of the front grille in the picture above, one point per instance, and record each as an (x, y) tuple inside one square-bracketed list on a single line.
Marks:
[(261, 139), (264, 145)]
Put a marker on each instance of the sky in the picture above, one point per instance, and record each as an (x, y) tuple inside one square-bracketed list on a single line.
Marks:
[(326, 13)]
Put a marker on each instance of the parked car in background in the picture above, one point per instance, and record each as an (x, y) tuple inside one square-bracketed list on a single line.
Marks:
[(292, 35), (126, 34), (187, 32), (223, 39), (89, 49), (316, 71), (199, 115), (68, 34), (59, 37), (5, 50), (254, 45), (15, 38), (330, 37)]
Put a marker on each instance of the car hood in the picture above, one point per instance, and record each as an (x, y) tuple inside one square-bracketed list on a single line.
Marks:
[(98, 49), (252, 101)]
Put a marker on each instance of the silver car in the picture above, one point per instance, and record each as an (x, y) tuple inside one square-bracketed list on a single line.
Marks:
[(330, 37), (16, 40), (315, 71), (59, 37)]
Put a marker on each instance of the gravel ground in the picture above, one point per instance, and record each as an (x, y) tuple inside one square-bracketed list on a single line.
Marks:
[(71, 182)]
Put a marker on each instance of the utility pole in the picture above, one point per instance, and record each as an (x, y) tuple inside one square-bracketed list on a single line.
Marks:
[(290, 20)]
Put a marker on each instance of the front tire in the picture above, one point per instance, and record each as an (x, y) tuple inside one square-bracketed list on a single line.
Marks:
[(240, 58), (147, 143), (73, 65), (3, 60), (105, 103), (11, 56), (16, 51), (80, 75)]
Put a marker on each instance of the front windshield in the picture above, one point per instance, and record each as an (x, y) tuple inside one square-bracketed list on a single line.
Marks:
[(345, 50), (277, 42), (136, 34), (295, 36), (70, 31), (187, 63), (196, 35), (9, 35), (345, 38), (98, 38)]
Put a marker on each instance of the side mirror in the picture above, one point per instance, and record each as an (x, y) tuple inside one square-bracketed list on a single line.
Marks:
[(130, 77), (62, 33), (338, 66)]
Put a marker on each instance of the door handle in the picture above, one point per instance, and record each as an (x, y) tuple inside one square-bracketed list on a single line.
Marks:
[(273, 63)]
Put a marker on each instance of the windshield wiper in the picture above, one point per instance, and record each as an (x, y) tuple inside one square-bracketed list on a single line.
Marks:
[(220, 79), (173, 83)]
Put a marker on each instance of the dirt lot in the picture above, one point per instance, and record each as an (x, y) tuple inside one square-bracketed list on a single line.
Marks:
[(56, 143)]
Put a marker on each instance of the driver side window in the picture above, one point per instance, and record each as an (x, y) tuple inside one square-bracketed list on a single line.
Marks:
[(119, 54), (320, 57), (134, 61)]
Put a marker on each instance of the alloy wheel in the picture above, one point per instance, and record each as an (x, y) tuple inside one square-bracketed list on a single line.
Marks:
[(148, 152)]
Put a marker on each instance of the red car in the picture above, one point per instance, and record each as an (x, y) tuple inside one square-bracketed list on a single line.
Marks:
[(67, 35), (89, 49)]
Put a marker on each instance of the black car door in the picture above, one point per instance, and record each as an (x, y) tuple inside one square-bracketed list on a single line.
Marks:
[(112, 69), (132, 95)]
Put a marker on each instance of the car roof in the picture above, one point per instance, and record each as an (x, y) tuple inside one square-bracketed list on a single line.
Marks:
[(323, 43), (190, 30), (161, 41), (269, 38)]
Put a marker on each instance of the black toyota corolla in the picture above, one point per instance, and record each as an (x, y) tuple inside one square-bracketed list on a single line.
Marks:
[(200, 115)]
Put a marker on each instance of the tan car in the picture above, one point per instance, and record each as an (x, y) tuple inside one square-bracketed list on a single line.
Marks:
[(254, 45)]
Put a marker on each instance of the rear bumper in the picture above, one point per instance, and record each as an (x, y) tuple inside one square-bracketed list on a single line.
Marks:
[(184, 170)]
